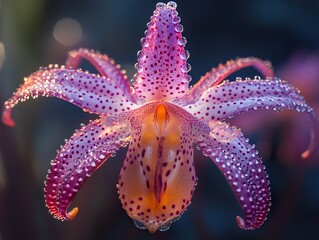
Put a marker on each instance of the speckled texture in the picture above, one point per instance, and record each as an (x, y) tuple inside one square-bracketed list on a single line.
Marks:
[(161, 119), (162, 68)]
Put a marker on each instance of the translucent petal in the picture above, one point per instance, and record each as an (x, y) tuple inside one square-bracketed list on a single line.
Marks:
[(157, 179), (161, 71), (83, 153), (242, 168), (91, 92)]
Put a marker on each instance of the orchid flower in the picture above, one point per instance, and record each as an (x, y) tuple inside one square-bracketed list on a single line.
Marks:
[(160, 118)]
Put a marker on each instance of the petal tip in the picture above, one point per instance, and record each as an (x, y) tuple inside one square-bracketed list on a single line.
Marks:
[(72, 214), (306, 154), (240, 222), (6, 118)]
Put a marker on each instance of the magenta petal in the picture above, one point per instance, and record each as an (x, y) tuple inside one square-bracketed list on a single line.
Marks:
[(84, 153), (231, 98), (217, 75), (242, 168), (161, 68), (105, 66), (91, 92)]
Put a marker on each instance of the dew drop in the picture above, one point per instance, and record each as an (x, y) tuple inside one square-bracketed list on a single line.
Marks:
[(176, 19), (183, 56), (140, 54), (160, 5), (182, 41), (142, 41), (172, 4), (165, 227), (187, 54), (184, 69), (179, 28), (139, 224), (189, 67)]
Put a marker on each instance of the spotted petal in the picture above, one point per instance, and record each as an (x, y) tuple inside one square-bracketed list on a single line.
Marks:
[(91, 92), (219, 74), (157, 179), (242, 168), (231, 98), (84, 153), (104, 65), (161, 67)]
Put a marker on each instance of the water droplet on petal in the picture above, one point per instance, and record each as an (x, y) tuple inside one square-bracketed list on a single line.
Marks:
[(142, 41), (182, 41), (189, 67), (184, 69), (176, 19), (160, 5), (136, 66), (140, 54), (139, 225), (165, 227), (172, 4), (182, 55), (187, 54), (179, 28)]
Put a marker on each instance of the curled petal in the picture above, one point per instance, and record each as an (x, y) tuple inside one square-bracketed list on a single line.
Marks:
[(83, 153), (242, 168), (104, 65), (314, 141), (217, 75), (231, 98), (91, 92), (161, 68)]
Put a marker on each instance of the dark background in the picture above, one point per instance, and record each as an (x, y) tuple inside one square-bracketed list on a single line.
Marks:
[(285, 32)]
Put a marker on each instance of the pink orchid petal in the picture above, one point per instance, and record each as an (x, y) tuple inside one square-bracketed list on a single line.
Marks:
[(231, 98), (104, 65), (157, 179), (242, 168), (161, 68), (91, 92), (83, 153), (217, 75)]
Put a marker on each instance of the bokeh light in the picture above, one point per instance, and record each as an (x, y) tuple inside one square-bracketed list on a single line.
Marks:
[(67, 31)]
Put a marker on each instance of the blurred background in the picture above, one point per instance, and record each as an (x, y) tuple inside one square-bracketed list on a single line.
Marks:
[(36, 33)]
